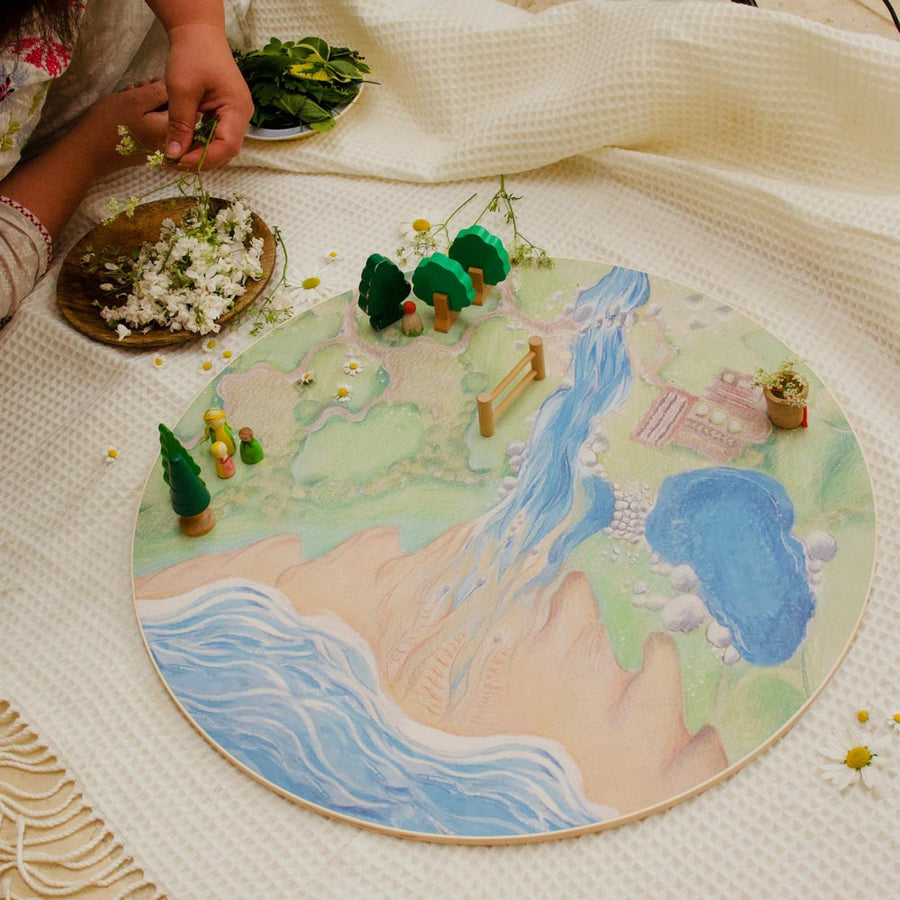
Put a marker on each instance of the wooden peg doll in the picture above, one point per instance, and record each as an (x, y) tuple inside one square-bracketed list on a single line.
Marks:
[(224, 463), (411, 323), (251, 449), (218, 429)]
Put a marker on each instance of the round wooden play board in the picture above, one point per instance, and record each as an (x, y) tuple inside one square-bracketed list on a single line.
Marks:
[(617, 600)]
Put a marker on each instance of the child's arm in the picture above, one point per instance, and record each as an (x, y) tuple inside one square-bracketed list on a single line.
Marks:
[(39, 196), (202, 77)]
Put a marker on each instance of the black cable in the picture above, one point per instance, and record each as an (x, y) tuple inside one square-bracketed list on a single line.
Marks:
[(893, 14)]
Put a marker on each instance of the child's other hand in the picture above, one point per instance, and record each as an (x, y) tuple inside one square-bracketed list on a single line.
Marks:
[(141, 109)]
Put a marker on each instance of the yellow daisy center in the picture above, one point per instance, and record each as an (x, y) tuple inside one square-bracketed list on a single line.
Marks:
[(207, 366), (112, 453), (210, 345), (158, 361), (862, 715), (226, 354), (343, 392), (310, 284), (333, 254), (858, 758), (353, 365), (421, 225), (897, 718)]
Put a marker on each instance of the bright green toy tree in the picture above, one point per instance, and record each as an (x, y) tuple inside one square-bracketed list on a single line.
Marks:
[(187, 491), (444, 284), (476, 248)]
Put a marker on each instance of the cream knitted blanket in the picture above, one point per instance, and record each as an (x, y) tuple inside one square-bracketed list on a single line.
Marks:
[(748, 154)]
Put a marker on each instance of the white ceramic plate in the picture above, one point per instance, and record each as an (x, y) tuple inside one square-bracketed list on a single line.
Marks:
[(298, 131)]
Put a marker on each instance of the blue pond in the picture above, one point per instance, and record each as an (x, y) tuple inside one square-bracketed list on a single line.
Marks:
[(733, 527)]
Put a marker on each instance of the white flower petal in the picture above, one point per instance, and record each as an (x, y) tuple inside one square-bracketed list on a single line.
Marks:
[(839, 775), (873, 779)]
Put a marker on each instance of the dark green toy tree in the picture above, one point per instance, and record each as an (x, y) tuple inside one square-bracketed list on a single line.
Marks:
[(187, 491), (382, 290)]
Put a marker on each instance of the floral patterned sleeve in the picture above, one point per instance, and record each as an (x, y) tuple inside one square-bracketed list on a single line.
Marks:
[(25, 254), (27, 69)]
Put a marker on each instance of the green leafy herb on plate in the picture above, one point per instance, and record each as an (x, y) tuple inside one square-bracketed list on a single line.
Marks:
[(300, 83)]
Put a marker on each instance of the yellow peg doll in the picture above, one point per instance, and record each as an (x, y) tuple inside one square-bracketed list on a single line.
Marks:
[(218, 429)]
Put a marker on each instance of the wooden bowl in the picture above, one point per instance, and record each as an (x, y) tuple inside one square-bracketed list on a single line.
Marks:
[(77, 290)]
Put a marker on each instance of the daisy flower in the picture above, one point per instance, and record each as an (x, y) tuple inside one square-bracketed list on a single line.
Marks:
[(112, 454), (893, 722), (331, 257), (308, 290), (210, 345), (226, 354), (342, 394), (159, 361), (855, 758), (307, 377), (862, 716), (418, 240), (352, 367), (206, 365), (420, 225)]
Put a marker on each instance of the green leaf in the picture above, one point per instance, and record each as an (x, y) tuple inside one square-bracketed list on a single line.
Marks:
[(300, 83), (317, 46)]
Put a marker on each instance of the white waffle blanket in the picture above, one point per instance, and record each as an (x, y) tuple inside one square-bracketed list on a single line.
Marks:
[(750, 155)]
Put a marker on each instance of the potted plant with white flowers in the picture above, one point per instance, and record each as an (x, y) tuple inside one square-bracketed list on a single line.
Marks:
[(786, 392)]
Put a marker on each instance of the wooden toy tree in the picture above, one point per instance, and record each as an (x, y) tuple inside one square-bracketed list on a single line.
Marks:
[(187, 491), (483, 256), (444, 284), (382, 290)]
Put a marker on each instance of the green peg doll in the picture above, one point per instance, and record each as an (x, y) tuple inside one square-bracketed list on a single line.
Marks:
[(251, 449)]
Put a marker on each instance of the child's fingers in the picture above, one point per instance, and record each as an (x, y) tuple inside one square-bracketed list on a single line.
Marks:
[(153, 95)]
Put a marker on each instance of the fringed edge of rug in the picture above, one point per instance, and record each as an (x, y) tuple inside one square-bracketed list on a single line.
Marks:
[(52, 842)]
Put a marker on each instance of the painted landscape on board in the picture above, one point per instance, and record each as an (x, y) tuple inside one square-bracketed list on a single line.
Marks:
[(615, 600)]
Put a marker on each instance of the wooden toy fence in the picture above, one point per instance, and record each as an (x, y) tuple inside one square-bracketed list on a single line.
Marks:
[(487, 412)]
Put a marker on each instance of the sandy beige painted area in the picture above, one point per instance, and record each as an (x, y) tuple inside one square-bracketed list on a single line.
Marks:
[(547, 670)]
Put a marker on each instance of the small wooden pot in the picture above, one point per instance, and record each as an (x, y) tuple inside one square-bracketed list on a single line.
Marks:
[(784, 414)]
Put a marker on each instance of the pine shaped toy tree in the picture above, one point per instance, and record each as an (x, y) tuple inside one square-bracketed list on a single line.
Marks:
[(187, 491)]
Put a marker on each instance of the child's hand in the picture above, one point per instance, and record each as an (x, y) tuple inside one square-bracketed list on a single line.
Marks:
[(203, 78), (141, 109)]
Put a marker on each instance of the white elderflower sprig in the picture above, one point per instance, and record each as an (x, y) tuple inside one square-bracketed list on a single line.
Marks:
[(188, 278)]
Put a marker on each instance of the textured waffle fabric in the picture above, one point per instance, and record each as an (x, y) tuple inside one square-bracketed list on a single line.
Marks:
[(752, 156)]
